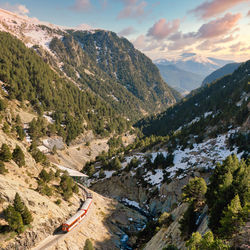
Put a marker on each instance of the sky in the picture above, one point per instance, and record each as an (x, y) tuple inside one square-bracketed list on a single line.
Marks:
[(160, 29)]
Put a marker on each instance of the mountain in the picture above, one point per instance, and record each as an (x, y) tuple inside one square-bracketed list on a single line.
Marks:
[(181, 80), (195, 63), (225, 99), (99, 61), (225, 70)]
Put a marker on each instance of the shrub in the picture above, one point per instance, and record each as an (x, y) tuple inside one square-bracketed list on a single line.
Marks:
[(3, 170), (46, 177), (88, 245), (5, 154)]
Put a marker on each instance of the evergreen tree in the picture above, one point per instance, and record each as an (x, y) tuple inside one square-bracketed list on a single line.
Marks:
[(14, 219), (18, 204), (232, 218), (27, 216), (193, 243), (194, 191), (18, 156), (5, 154)]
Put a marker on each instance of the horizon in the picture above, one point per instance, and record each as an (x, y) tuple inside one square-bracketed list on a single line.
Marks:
[(215, 28)]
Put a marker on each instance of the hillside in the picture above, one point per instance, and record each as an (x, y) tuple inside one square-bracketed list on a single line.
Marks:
[(27, 77), (179, 79), (99, 61), (219, 73), (224, 100)]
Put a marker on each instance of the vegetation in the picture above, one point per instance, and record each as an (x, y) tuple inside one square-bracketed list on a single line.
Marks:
[(27, 77), (88, 245), (197, 242), (5, 153), (220, 98), (18, 156), (68, 186), (130, 81), (3, 170), (18, 215), (227, 196)]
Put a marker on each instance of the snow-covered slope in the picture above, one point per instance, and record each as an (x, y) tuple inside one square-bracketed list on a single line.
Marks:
[(32, 31), (201, 156), (194, 63)]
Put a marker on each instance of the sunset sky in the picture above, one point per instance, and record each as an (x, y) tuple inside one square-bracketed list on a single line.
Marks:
[(160, 29)]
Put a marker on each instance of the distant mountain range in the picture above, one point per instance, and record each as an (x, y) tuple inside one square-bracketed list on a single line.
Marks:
[(181, 80), (225, 70), (187, 71)]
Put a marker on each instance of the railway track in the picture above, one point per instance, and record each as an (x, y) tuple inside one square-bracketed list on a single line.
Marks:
[(54, 239)]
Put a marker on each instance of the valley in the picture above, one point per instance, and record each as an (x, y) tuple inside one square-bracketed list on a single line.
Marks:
[(82, 111)]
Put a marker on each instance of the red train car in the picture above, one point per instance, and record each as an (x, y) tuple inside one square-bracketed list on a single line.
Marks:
[(78, 217)]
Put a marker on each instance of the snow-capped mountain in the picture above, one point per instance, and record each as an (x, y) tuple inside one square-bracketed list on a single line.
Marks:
[(32, 31), (194, 63)]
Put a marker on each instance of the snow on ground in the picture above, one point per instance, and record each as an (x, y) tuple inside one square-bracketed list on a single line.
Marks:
[(71, 172), (202, 155), (131, 203), (49, 118), (154, 179), (108, 174)]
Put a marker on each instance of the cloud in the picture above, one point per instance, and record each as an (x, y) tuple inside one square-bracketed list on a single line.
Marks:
[(212, 8), (226, 39), (81, 5), (127, 31), (236, 47), (219, 26), (162, 29), (216, 31), (16, 8), (132, 9)]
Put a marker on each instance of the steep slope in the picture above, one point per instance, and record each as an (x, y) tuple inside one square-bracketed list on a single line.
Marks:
[(225, 101), (225, 70), (27, 77), (99, 61), (181, 80), (115, 70), (195, 63)]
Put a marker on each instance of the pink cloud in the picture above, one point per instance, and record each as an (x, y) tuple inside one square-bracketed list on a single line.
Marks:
[(132, 9), (212, 8), (81, 5), (163, 29), (219, 26), (127, 31)]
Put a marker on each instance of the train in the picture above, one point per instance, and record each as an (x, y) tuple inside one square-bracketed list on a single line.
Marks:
[(73, 221)]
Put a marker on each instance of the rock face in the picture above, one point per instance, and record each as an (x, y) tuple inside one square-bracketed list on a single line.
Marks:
[(149, 198)]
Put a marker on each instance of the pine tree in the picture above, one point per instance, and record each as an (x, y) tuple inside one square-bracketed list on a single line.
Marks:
[(18, 156), (194, 241), (27, 217), (232, 219), (194, 191), (5, 154), (14, 219), (18, 204)]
